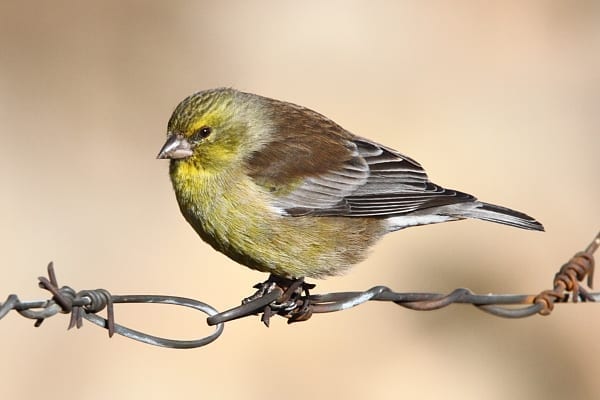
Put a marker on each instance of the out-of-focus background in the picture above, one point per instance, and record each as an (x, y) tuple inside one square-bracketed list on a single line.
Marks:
[(498, 99)]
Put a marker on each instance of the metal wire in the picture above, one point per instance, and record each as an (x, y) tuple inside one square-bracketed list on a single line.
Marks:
[(155, 340), (292, 300), (86, 303)]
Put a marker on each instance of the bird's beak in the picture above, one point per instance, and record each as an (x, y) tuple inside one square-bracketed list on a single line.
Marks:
[(175, 147)]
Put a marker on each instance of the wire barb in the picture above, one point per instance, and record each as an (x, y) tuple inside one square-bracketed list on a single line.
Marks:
[(87, 303), (292, 300)]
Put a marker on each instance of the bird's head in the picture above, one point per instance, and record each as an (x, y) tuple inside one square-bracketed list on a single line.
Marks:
[(212, 129)]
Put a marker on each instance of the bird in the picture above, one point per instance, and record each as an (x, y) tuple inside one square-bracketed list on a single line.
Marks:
[(283, 189)]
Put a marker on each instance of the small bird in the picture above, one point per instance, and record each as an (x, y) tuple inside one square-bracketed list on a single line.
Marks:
[(283, 189)]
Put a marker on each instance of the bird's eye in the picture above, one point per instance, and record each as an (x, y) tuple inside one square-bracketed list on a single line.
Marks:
[(205, 131), (202, 133)]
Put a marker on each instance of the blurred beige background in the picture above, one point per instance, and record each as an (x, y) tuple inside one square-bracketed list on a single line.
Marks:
[(500, 100)]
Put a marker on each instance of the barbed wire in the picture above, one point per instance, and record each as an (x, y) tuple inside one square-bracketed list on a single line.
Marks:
[(291, 299)]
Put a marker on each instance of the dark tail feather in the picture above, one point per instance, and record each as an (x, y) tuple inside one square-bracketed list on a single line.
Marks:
[(499, 214)]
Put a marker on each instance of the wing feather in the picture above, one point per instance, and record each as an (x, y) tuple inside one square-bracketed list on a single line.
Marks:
[(341, 174)]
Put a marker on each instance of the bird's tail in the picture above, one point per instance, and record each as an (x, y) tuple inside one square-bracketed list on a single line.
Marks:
[(494, 213)]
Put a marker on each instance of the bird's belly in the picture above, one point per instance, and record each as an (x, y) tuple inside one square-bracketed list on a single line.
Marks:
[(283, 245), (239, 221)]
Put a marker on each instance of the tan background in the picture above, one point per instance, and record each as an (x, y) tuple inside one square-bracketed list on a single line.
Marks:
[(500, 100)]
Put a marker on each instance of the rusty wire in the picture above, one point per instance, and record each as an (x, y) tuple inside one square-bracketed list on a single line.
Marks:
[(292, 300)]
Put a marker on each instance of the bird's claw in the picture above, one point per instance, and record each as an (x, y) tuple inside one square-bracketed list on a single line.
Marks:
[(293, 304), (263, 289)]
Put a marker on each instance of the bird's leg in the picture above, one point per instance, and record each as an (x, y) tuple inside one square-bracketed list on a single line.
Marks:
[(263, 289), (292, 304)]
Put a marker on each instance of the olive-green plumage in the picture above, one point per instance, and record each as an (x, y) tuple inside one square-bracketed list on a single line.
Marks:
[(282, 189)]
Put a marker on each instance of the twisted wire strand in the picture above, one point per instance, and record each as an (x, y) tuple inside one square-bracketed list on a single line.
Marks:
[(566, 282)]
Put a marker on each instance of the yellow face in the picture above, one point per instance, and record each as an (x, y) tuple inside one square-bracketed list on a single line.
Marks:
[(206, 130)]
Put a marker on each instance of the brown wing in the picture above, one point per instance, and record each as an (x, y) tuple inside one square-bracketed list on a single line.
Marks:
[(328, 171)]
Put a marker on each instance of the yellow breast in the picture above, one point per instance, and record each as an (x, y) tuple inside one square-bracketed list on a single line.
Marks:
[(235, 216)]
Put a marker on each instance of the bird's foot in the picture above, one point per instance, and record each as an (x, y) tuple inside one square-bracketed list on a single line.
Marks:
[(293, 304)]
